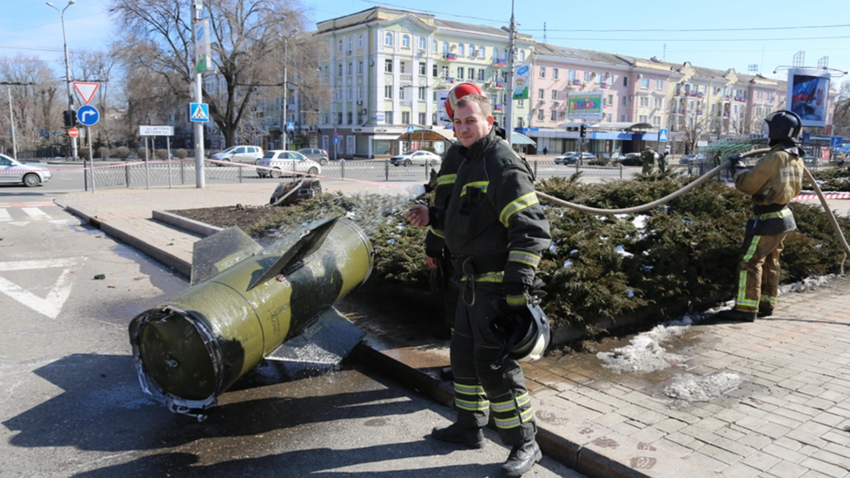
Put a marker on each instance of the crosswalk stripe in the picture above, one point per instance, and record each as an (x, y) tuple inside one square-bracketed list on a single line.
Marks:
[(4, 215), (36, 213)]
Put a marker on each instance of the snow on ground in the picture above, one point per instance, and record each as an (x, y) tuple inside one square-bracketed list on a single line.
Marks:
[(644, 352), (692, 388)]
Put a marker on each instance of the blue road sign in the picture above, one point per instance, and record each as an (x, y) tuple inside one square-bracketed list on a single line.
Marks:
[(199, 112), (290, 127), (88, 115), (410, 128), (836, 141), (662, 135), (806, 137), (336, 139)]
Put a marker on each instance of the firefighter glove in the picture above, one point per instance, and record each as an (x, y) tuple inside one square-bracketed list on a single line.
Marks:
[(735, 164)]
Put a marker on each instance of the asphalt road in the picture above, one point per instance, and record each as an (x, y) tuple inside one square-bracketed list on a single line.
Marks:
[(71, 403)]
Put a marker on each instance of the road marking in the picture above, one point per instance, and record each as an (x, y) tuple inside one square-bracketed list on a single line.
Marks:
[(27, 204), (5, 216), (36, 213), (50, 305)]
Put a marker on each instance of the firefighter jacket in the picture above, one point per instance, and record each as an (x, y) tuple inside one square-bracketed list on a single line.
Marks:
[(494, 219), (435, 238), (774, 181)]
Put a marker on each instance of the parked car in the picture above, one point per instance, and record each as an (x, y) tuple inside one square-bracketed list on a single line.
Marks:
[(318, 155), (418, 158), (239, 154), (14, 171), (566, 158), (630, 159), (696, 158), (278, 162), (571, 158)]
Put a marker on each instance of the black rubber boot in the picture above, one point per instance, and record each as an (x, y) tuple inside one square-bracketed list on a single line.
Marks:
[(737, 315), (454, 433), (765, 312), (521, 460)]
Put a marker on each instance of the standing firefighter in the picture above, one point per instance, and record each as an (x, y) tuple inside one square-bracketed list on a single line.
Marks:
[(662, 162), (437, 255), (773, 183), (496, 231), (648, 158)]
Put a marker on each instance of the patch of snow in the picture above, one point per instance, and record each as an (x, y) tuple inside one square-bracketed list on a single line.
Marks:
[(702, 389), (574, 252), (567, 264), (552, 248), (621, 216), (622, 251), (646, 268), (391, 241), (630, 293), (644, 352), (640, 221)]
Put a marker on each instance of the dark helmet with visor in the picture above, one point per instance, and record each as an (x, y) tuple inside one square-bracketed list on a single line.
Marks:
[(523, 334), (783, 125)]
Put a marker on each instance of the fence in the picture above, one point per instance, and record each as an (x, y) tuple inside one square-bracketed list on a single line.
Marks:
[(161, 173)]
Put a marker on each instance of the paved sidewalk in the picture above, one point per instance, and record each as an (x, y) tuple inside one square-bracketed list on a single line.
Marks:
[(782, 407)]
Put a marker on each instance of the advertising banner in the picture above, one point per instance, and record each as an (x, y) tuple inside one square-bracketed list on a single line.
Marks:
[(808, 94), (201, 30), (521, 82), (442, 116), (585, 105)]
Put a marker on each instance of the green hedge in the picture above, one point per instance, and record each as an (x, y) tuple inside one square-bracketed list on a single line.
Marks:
[(685, 254)]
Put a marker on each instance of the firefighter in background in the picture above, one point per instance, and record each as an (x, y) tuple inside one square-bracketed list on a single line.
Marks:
[(662, 162), (496, 231), (774, 181), (718, 158), (648, 158)]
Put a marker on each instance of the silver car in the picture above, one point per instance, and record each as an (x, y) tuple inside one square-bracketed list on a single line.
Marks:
[(239, 154), (13, 171), (418, 158), (278, 162), (318, 155)]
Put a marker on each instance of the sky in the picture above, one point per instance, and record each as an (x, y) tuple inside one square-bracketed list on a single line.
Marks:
[(720, 34)]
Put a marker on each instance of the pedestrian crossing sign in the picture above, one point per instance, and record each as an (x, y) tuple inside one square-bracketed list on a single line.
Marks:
[(662, 135), (199, 112)]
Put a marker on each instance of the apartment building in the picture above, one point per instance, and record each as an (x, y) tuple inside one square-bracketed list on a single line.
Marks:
[(386, 69)]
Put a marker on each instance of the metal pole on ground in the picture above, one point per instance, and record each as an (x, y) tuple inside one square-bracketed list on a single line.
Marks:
[(168, 148), (91, 160), (147, 166)]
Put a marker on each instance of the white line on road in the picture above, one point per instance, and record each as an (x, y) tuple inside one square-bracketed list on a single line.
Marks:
[(50, 305), (4, 215)]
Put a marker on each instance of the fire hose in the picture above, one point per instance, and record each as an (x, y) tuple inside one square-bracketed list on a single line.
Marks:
[(705, 177)]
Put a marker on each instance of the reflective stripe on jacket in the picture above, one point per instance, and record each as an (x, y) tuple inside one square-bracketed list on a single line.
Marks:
[(773, 183)]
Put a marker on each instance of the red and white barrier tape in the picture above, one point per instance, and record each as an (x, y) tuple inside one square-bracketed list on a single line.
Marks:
[(804, 197)]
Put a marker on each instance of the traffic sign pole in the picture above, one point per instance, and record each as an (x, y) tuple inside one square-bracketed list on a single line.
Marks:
[(200, 182)]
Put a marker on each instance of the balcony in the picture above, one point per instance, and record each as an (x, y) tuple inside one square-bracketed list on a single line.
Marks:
[(405, 103), (406, 77)]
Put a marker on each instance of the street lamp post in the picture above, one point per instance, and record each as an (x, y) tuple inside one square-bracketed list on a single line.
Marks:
[(285, 91), (67, 70)]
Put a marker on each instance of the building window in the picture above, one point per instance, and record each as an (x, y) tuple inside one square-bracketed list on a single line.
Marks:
[(644, 83), (388, 117), (520, 103), (554, 115), (522, 55), (350, 43), (401, 92), (434, 46), (471, 74), (461, 51), (505, 54), (481, 51), (644, 101), (659, 103), (472, 52), (350, 68), (659, 85), (540, 115), (422, 118), (609, 117), (339, 70), (405, 41), (625, 101), (445, 48), (405, 117), (360, 41), (481, 73), (540, 94), (445, 70), (348, 93), (610, 100), (643, 118), (422, 92), (388, 91), (339, 118), (554, 95), (339, 46), (388, 66), (359, 92), (360, 68), (460, 73), (401, 67), (422, 43), (571, 75), (388, 39), (349, 117), (623, 118), (542, 72), (422, 68), (495, 53), (434, 70), (587, 77), (759, 95), (656, 120), (625, 81)]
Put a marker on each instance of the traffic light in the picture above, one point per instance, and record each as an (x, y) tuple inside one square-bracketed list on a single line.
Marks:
[(583, 131), (69, 117)]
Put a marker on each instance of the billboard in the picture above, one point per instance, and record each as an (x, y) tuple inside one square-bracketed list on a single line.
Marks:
[(808, 95), (442, 116), (585, 105), (522, 82)]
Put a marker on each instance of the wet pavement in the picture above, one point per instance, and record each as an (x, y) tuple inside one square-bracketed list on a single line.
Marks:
[(765, 399)]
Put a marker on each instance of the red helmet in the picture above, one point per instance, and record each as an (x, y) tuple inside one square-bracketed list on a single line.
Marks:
[(459, 92)]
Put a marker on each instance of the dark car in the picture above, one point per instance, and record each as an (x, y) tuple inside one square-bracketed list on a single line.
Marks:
[(631, 159), (318, 155)]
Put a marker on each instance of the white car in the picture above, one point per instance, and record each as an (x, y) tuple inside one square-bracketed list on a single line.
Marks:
[(419, 158), (239, 154), (13, 171), (277, 163)]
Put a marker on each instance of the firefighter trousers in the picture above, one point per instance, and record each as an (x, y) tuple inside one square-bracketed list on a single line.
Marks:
[(758, 273), (480, 390)]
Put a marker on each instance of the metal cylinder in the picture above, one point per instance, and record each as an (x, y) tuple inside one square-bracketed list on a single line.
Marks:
[(195, 346)]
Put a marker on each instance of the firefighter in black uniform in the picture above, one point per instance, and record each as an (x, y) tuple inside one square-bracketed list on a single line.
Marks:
[(496, 231)]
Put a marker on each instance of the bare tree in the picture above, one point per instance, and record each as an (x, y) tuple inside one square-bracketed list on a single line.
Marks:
[(36, 103), (246, 38), (841, 117), (99, 66)]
